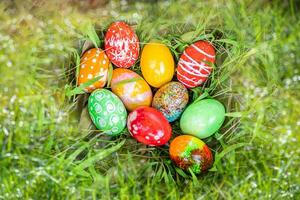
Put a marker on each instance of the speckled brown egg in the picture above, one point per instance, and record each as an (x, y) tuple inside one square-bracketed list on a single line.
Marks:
[(171, 99)]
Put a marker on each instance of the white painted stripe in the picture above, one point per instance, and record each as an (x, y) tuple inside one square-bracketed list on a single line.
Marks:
[(201, 51), (196, 82), (192, 66), (185, 83), (196, 63), (190, 72), (192, 59)]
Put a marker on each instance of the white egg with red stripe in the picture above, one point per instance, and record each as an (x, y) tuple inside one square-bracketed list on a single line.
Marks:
[(195, 64)]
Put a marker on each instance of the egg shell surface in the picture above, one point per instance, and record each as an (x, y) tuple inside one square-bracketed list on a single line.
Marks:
[(131, 88), (202, 118), (189, 152), (157, 64), (149, 126), (171, 99), (93, 63), (107, 112), (194, 65), (121, 44)]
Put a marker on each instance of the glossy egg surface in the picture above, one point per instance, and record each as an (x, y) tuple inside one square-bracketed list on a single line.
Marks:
[(171, 99), (190, 153), (195, 64), (121, 44), (93, 63), (202, 118), (157, 64), (131, 88), (149, 126), (107, 112)]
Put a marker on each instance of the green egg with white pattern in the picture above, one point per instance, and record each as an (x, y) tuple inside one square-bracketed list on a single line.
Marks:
[(107, 112)]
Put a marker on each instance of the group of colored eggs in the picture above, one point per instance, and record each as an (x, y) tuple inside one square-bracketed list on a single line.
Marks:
[(150, 116)]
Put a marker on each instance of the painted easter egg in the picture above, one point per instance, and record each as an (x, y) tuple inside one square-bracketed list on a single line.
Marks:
[(93, 63), (194, 65), (157, 64), (149, 126), (191, 153), (107, 112), (171, 99), (121, 45), (131, 88), (202, 118)]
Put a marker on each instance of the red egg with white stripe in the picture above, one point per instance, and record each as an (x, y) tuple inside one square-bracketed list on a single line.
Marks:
[(121, 45), (195, 64), (149, 126)]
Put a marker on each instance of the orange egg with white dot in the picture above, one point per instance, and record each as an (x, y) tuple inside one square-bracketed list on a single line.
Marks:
[(93, 63)]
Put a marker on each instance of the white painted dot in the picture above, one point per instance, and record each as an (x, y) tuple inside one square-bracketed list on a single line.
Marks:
[(94, 60), (104, 61), (81, 76), (147, 137), (156, 137), (89, 51), (132, 116), (85, 58), (90, 76), (134, 132), (105, 56), (92, 67), (82, 66), (158, 142), (160, 133)]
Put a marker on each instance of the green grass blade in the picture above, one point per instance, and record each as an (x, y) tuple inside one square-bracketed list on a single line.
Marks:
[(99, 156), (80, 89)]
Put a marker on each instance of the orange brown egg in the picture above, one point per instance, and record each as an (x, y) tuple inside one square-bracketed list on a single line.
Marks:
[(191, 153), (93, 63)]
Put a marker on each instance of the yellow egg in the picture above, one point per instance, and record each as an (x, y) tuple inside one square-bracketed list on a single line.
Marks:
[(157, 64)]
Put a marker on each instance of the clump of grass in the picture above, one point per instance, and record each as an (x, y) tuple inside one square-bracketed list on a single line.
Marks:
[(45, 154), (176, 41)]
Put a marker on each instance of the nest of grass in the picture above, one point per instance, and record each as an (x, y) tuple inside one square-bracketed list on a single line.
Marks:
[(123, 153)]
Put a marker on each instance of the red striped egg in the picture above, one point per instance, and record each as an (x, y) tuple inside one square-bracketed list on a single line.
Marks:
[(121, 45), (194, 65)]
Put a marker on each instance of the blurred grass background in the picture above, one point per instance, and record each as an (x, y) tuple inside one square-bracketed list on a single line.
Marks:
[(45, 154)]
